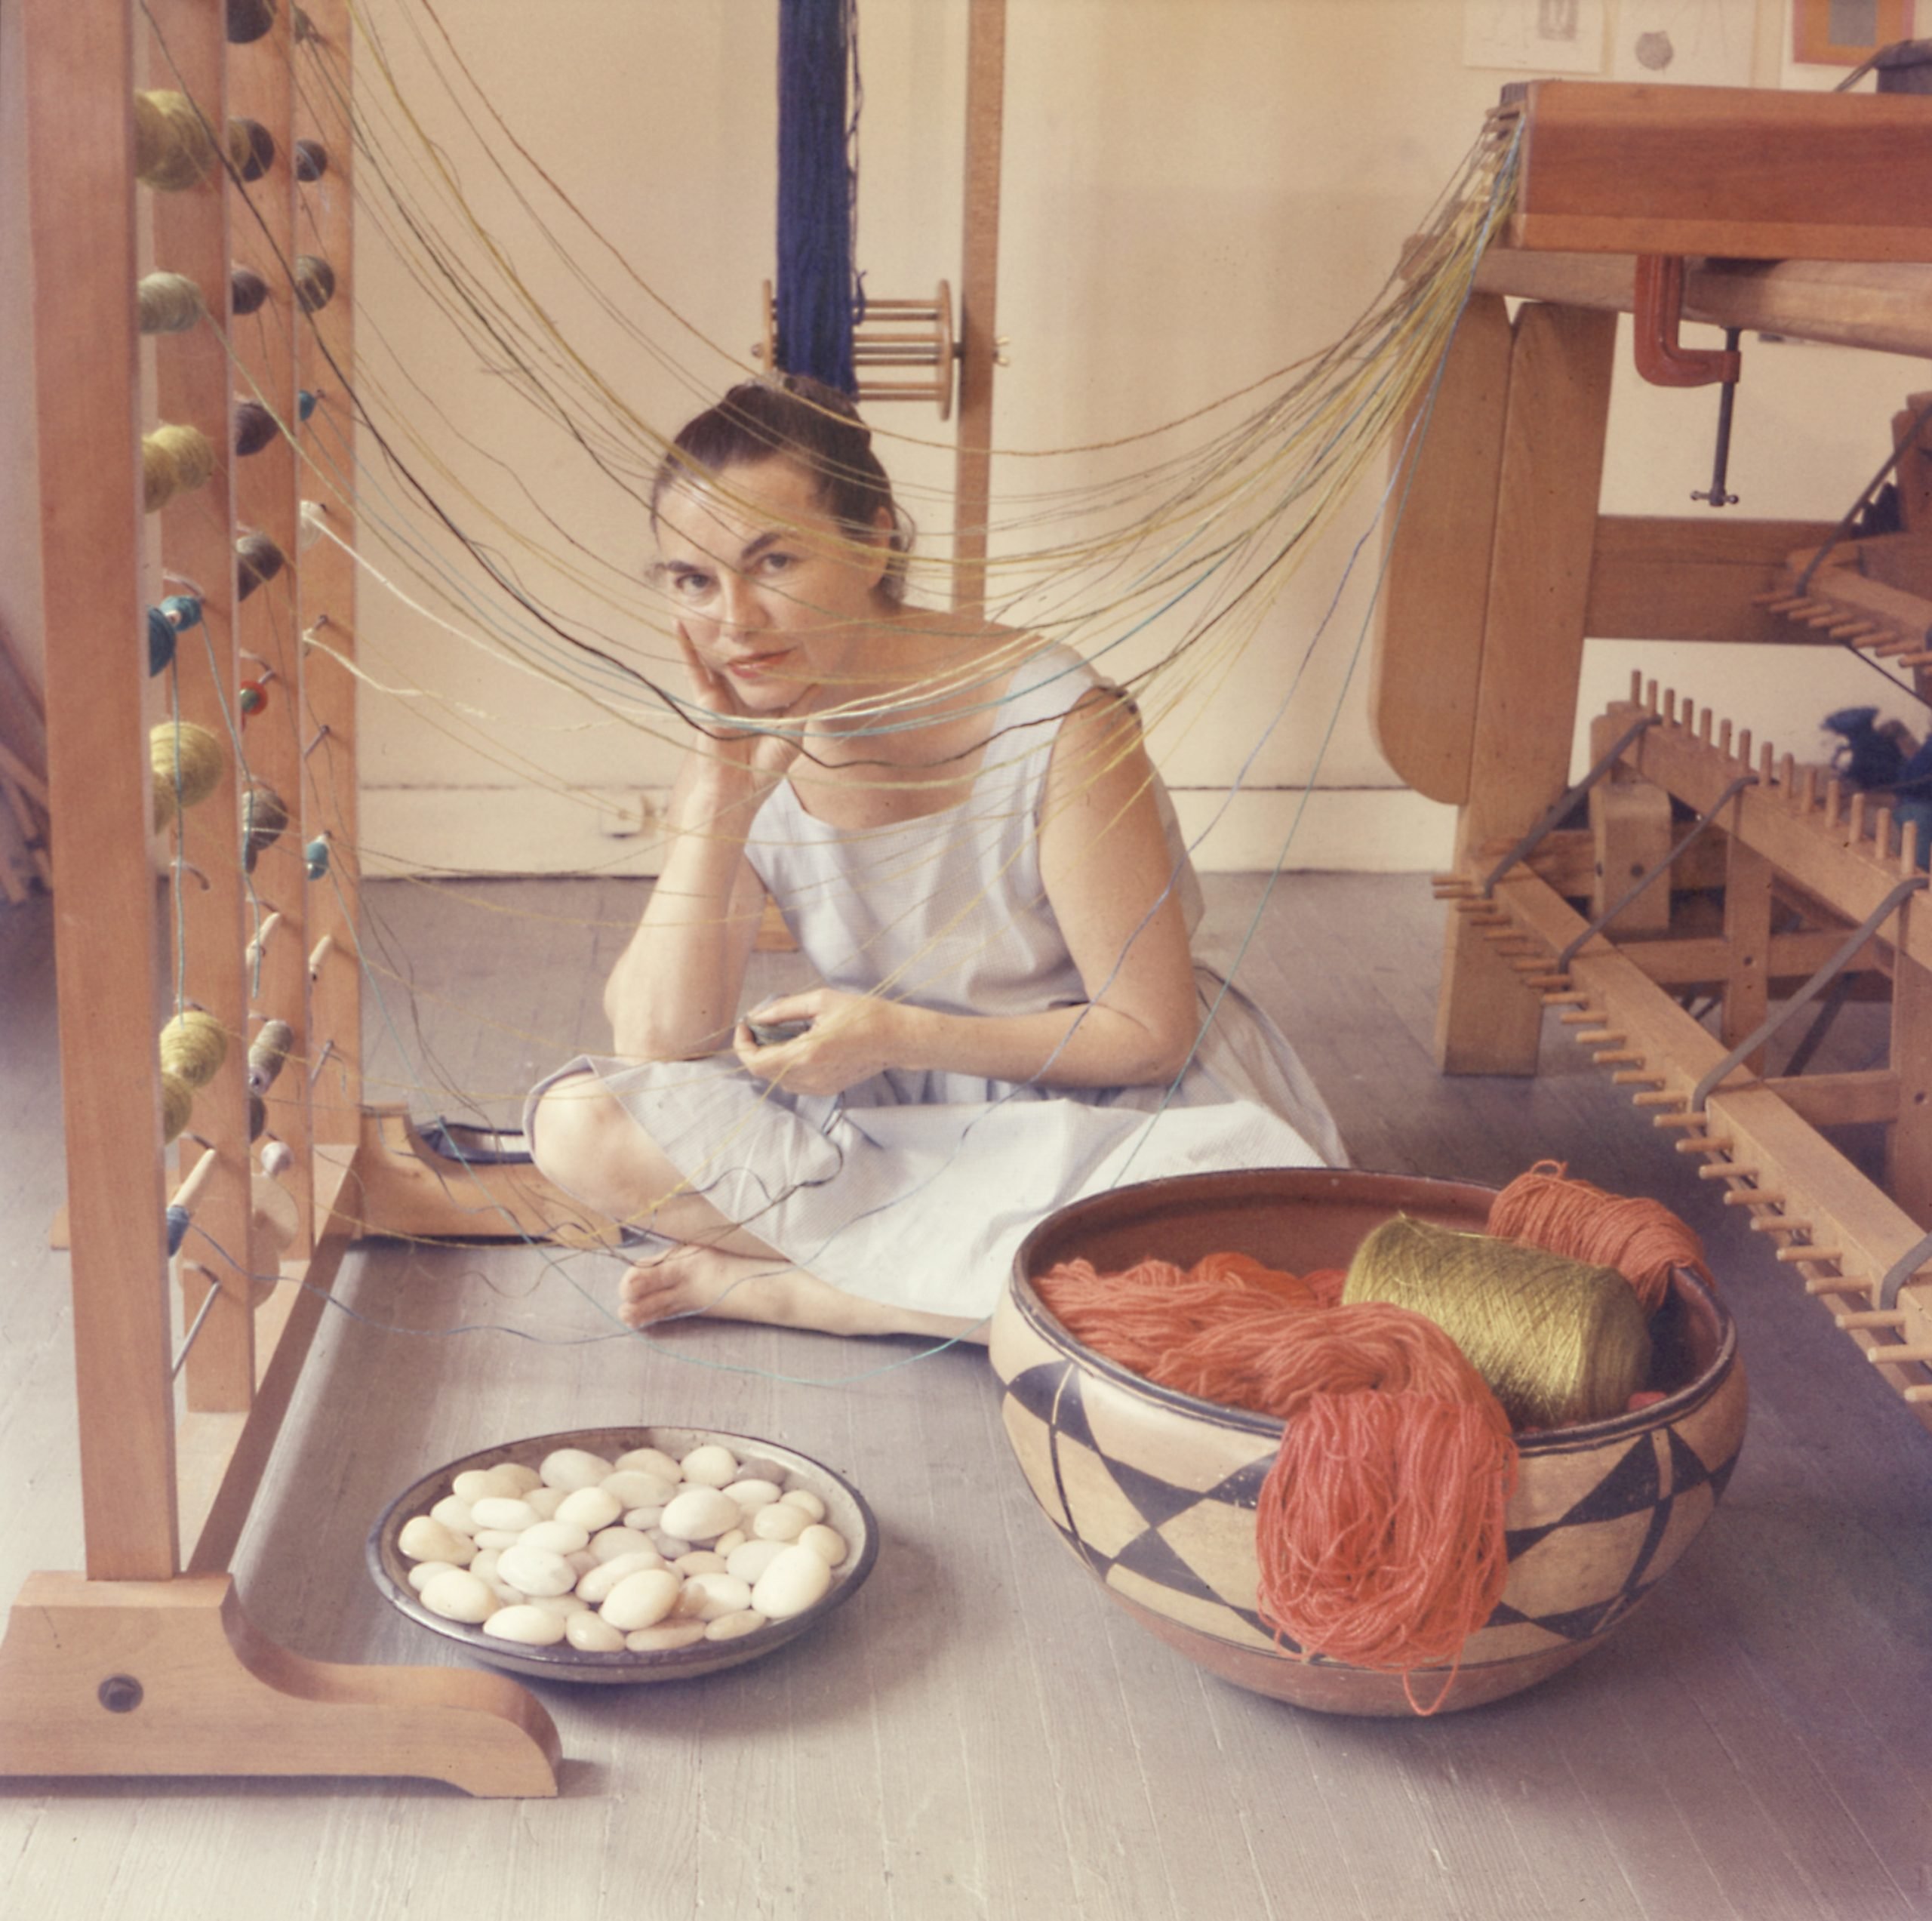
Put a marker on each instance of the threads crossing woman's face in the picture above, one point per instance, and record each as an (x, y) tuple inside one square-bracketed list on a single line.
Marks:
[(767, 588)]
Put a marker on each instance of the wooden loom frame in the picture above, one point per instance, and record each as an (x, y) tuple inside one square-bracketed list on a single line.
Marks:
[(147, 1664), (1502, 562)]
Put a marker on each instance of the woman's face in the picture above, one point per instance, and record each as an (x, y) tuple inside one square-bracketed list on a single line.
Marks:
[(767, 588)]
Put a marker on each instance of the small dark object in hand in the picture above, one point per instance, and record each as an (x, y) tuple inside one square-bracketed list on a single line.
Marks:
[(775, 1033)]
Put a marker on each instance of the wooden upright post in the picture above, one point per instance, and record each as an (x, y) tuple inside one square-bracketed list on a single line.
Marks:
[(1526, 695), (327, 579), (79, 73), (979, 288)]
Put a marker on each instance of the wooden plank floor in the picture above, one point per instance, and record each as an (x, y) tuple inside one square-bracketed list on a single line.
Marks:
[(981, 1734)]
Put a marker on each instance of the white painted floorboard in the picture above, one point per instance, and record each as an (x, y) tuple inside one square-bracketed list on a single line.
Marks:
[(981, 1733)]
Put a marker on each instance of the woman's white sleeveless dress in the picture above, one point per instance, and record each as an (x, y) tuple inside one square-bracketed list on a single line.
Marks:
[(917, 1188)]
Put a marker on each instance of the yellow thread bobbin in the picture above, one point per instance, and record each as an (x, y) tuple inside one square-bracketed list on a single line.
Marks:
[(173, 149), (188, 764), (177, 1104), (174, 459), (193, 1045), (168, 303)]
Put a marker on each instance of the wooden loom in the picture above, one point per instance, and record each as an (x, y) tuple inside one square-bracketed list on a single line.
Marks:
[(147, 1664), (1820, 206)]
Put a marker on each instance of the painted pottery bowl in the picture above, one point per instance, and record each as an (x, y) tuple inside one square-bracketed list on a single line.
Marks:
[(845, 1509), (1155, 1491)]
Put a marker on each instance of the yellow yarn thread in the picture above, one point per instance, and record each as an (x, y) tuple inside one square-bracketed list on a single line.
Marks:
[(168, 303), (174, 459), (194, 1045), (188, 762), (177, 1105), (173, 147), (1559, 1340)]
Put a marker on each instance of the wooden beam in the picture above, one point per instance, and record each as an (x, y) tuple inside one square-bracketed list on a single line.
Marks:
[(193, 383), (979, 292), (1885, 307), (1626, 167), (170, 1678), (1660, 579), (325, 587), (1839, 1100), (78, 72), (1427, 658), (1551, 474)]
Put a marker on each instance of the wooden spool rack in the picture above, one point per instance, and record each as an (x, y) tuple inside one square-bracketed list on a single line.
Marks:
[(146, 1663)]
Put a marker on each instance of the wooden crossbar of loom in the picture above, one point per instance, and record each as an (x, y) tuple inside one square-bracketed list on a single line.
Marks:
[(146, 1663)]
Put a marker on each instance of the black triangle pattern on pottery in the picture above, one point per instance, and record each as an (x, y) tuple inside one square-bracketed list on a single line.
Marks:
[(1155, 1500), (1150, 1556), (1688, 1468), (1035, 1388), (1067, 1418), (1242, 1488), (1721, 1477), (1628, 1488)]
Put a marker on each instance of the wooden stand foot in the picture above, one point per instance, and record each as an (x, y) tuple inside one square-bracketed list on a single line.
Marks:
[(401, 1185), (169, 1677)]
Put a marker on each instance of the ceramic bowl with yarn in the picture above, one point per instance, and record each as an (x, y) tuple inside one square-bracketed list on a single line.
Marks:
[(845, 1510), (1155, 1491)]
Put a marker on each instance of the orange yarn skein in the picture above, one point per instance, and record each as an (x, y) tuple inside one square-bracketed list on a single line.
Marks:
[(1641, 1238)]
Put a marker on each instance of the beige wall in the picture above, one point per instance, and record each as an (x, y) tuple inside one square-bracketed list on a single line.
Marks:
[(1196, 192)]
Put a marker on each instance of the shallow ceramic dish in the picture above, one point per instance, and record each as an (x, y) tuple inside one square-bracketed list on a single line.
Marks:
[(845, 1509), (1155, 1491)]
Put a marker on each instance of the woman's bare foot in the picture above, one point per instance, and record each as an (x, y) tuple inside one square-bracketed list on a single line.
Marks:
[(693, 1280)]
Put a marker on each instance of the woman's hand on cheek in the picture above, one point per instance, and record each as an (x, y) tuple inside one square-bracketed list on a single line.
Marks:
[(740, 753), (851, 1038)]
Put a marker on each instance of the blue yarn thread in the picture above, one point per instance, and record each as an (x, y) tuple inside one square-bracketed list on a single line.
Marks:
[(817, 190), (165, 622)]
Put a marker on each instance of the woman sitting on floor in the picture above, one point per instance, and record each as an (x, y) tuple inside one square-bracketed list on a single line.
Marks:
[(962, 828)]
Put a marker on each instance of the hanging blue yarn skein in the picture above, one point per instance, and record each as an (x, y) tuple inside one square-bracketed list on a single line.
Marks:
[(316, 855), (817, 187), (1870, 757)]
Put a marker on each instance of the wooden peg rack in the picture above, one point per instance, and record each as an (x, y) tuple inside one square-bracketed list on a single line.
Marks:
[(1791, 847)]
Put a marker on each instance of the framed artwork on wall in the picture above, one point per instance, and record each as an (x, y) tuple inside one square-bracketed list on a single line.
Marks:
[(1845, 32)]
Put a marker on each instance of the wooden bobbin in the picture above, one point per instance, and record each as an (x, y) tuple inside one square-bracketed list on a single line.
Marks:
[(890, 337)]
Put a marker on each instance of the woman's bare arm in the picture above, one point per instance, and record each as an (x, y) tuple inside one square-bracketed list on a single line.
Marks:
[(1109, 878)]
